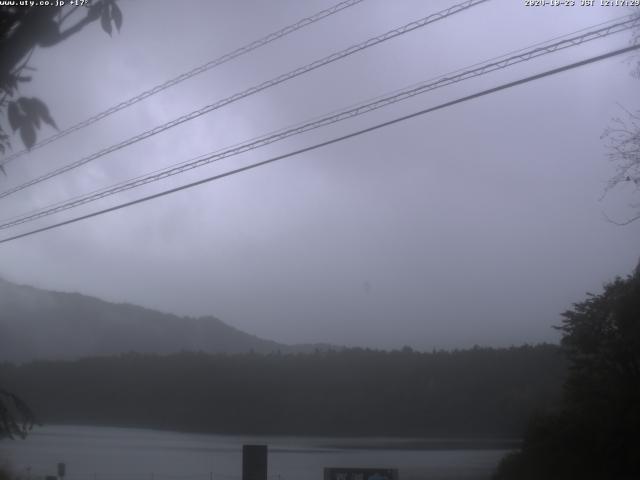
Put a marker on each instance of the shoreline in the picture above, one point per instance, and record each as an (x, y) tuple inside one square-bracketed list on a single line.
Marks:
[(332, 442)]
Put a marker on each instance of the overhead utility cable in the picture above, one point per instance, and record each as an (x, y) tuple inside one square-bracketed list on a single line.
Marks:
[(358, 110), (489, 91), (253, 90), (305, 22)]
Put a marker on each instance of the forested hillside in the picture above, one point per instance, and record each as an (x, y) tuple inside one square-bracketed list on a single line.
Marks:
[(478, 392)]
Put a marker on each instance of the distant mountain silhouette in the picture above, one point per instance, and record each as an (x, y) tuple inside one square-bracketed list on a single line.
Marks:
[(39, 324)]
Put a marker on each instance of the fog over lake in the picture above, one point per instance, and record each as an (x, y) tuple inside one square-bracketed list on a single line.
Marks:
[(100, 453)]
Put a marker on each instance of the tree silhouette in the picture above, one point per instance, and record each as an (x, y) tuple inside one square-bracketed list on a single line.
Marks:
[(22, 29), (16, 418), (623, 137), (623, 143), (595, 434)]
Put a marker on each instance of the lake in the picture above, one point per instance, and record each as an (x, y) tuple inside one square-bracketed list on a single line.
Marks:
[(103, 453)]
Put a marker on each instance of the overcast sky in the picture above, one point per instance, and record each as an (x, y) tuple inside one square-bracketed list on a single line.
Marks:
[(478, 224)]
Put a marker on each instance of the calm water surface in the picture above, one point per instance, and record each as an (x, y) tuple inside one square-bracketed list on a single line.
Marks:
[(100, 453)]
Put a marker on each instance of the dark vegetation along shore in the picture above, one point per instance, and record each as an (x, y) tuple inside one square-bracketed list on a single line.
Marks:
[(478, 392), (576, 406), (593, 434)]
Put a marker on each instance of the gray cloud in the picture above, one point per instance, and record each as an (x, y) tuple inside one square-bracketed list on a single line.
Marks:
[(476, 224)]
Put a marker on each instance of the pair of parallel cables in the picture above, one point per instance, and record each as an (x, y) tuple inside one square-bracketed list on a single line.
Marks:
[(578, 38)]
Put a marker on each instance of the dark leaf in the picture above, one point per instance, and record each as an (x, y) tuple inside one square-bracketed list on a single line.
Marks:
[(105, 21), (15, 116), (116, 15), (31, 113), (24, 104), (9, 84), (2, 167), (42, 111), (23, 79), (95, 11), (48, 34), (28, 135)]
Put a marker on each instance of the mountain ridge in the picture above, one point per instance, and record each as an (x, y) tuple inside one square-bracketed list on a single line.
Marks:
[(39, 324)]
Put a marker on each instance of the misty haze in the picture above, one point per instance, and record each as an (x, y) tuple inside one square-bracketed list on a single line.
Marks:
[(364, 240)]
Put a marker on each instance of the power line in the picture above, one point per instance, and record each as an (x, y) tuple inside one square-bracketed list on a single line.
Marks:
[(305, 22), (487, 67), (360, 109), (258, 88), (451, 103)]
